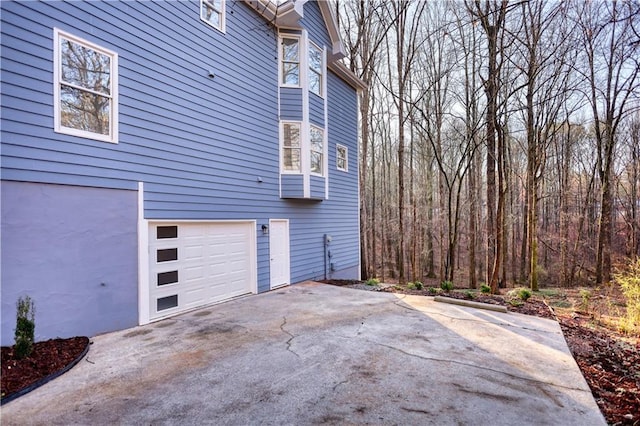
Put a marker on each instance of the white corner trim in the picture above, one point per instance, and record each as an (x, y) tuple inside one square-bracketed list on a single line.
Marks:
[(305, 155), (325, 90), (143, 260)]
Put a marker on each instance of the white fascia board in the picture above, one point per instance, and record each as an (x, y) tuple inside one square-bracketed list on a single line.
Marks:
[(347, 75), (330, 21)]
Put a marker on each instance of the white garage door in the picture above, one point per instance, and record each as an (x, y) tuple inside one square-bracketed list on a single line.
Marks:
[(195, 264)]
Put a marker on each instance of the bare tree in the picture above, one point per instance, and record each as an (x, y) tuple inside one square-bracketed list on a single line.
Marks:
[(612, 65), (491, 16)]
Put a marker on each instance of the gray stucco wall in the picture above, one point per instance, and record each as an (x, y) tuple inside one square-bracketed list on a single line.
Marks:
[(74, 251)]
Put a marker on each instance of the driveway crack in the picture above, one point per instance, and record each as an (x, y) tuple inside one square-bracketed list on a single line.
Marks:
[(291, 336), (483, 368)]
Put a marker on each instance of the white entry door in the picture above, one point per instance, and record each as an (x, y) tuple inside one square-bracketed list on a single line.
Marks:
[(279, 252)]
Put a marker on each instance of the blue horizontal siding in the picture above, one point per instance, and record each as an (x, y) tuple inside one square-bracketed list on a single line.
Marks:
[(290, 103), (316, 110), (317, 186), (291, 186), (315, 25), (205, 148)]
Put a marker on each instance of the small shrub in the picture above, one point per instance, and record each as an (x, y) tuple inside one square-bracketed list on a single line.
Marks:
[(433, 290), (586, 296), (520, 293), (419, 285), (469, 294), (411, 285), (446, 286), (485, 289), (373, 281), (516, 302), (524, 294), (629, 282), (25, 327)]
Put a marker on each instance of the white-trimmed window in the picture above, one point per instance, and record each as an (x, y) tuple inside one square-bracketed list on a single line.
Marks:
[(86, 88), (316, 139), (290, 61), (291, 159), (212, 12), (316, 67), (342, 158)]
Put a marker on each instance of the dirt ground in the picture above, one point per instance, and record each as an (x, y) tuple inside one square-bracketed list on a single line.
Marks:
[(591, 320)]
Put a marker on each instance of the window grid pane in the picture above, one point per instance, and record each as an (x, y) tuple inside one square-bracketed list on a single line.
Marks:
[(84, 68), (341, 158), (84, 110), (315, 70), (290, 67), (317, 150), (291, 147), (290, 74)]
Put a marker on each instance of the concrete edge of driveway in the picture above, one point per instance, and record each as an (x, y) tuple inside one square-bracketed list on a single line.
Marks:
[(311, 354), (471, 304)]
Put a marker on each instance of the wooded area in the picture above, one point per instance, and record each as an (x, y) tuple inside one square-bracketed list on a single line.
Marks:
[(500, 139)]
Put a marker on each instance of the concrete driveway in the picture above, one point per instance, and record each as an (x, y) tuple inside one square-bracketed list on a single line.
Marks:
[(319, 354)]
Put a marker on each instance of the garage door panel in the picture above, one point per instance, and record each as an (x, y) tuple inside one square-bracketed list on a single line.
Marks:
[(215, 262)]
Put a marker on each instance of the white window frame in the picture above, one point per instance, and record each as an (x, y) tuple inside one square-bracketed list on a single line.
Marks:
[(281, 59), (57, 82), (222, 12), (322, 152), (300, 148), (312, 71), (346, 158)]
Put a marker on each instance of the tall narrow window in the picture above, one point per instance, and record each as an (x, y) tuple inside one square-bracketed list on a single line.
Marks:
[(290, 66), (342, 158), (291, 147), (317, 149), (85, 88), (315, 70), (212, 12)]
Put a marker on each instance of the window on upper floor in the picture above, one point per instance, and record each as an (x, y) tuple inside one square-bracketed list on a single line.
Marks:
[(86, 88), (291, 147), (316, 139), (290, 62), (316, 67), (212, 12), (342, 158)]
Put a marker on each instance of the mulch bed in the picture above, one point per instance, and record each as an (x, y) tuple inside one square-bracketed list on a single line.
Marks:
[(611, 366), (48, 357)]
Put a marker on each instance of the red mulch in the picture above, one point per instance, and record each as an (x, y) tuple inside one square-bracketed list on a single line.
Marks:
[(611, 366), (47, 358)]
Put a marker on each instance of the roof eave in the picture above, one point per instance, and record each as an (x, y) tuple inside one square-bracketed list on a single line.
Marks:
[(347, 76)]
